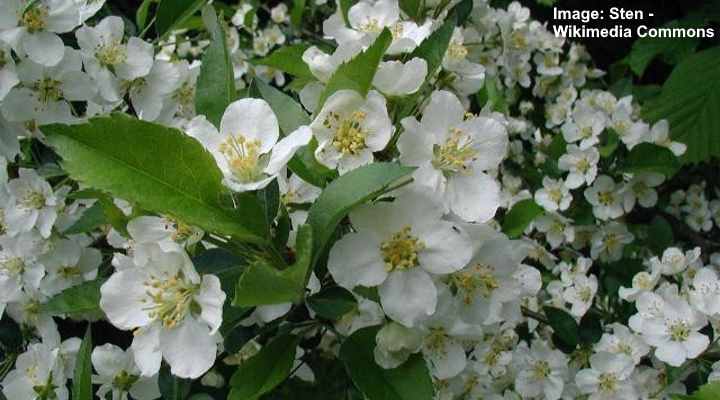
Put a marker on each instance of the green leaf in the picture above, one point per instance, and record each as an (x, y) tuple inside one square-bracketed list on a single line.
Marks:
[(81, 299), (173, 13), (296, 15), (345, 6), (82, 379), (708, 391), (492, 97), (462, 11), (410, 381), (91, 219), (263, 284), (648, 157), (112, 214), (609, 144), (332, 303), (557, 147), (358, 73), (159, 168), (564, 326), (265, 370), (520, 216), (412, 8), (433, 49), (590, 329), (216, 82), (142, 14), (289, 113), (690, 101), (269, 198), (346, 192), (660, 235), (172, 387), (288, 59), (646, 49)]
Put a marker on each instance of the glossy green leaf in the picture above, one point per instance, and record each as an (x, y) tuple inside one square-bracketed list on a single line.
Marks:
[(690, 101), (358, 73), (348, 191), (296, 15), (82, 378), (264, 284), (647, 157), (410, 381), (520, 216), (564, 326), (265, 370), (172, 387), (288, 59), (216, 82), (433, 49), (141, 15), (173, 13), (708, 391), (81, 299), (159, 168), (645, 50), (332, 303), (412, 8), (91, 219)]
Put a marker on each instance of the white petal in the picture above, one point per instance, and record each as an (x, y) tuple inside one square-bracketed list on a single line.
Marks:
[(139, 60), (254, 120), (146, 350), (189, 348), (446, 249), (123, 299), (355, 260), (408, 296), (283, 151), (45, 48), (211, 299), (397, 79), (474, 197), (442, 113)]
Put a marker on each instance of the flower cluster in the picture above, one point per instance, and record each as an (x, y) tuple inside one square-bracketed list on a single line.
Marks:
[(476, 201)]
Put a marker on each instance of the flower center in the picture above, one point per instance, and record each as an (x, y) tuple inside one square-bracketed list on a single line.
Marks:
[(372, 25), (34, 19), (606, 198), (457, 51), (33, 201), (611, 241), (518, 40), (349, 134), (642, 280), (583, 165), (478, 278), (679, 331), (111, 54), (400, 252), (555, 195), (585, 294), (49, 90), (13, 266), (455, 155), (541, 370), (607, 382), (436, 340), (3, 226), (124, 381), (244, 158), (172, 299), (397, 30), (186, 94), (69, 271)]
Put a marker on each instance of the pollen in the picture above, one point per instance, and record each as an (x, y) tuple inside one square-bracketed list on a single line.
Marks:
[(35, 19), (540, 370), (172, 299), (400, 252), (457, 51), (111, 54), (607, 382), (679, 331), (69, 271), (12, 266), (33, 201), (606, 198), (244, 158), (349, 134), (456, 154), (49, 90), (478, 279)]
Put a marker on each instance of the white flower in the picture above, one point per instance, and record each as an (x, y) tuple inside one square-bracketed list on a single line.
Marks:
[(118, 374), (673, 260), (395, 343), (19, 267), (279, 13), (554, 195), (608, 378), (609, 240), (585, 126), (32, 204), (246, 149), (582, 165), (606, 198), (39, 374), (150, 94), (44, 93), (659, 134), (294, 190), (169, 234), (557, 229), (395, 78), (641, 189), (581, 294), (452, 154), (174, 312), (668, 323), (8, 74), (34, 31), (398, 246), (349, 128), (642, 282), (541, 370), (68, 264), (705, 294), (323, 65), (110, 61), (622, 341)]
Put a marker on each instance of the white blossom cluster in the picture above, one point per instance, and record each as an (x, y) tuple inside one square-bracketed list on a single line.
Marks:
[(428, 263)]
